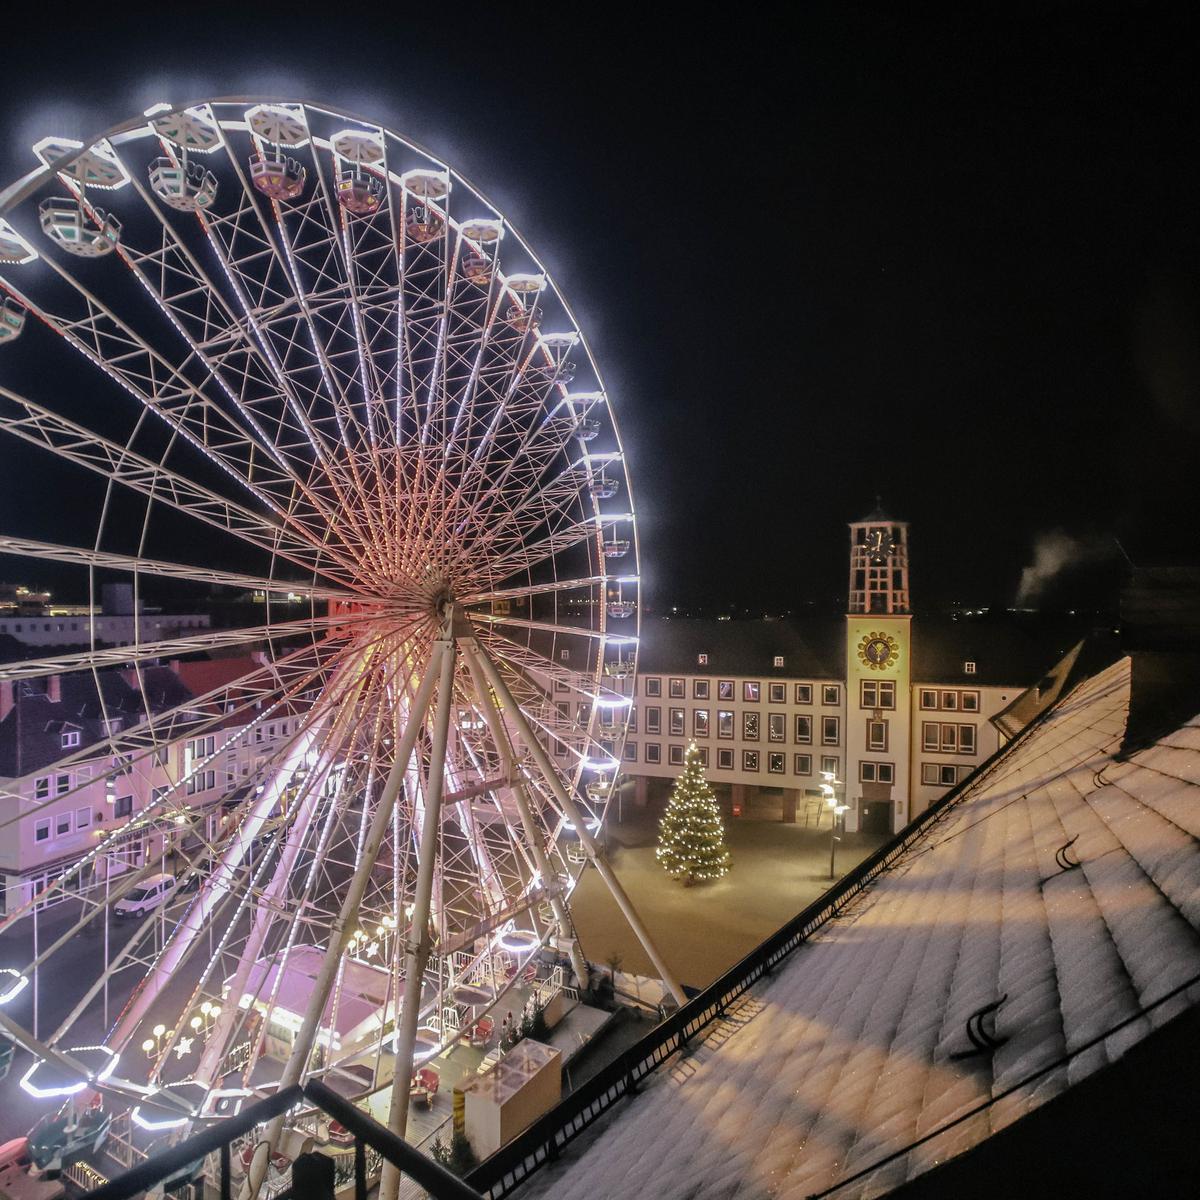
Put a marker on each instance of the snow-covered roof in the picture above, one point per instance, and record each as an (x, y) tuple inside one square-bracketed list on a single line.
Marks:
[(851, 1053)]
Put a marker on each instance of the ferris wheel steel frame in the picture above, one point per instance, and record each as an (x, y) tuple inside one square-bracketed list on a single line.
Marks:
[(345, 382)]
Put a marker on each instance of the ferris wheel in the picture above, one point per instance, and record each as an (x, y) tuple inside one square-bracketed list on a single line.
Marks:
[(308, 365)]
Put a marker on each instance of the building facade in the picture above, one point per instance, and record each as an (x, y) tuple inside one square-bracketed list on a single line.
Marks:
[(898, 709), (57, 799)]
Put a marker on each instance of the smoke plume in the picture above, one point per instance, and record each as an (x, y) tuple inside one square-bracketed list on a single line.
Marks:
[(1054, 553)]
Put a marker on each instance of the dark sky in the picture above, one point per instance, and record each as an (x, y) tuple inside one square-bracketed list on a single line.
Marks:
[(951, 256)]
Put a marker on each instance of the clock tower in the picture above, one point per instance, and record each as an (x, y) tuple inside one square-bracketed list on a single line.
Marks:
[(878, 675)]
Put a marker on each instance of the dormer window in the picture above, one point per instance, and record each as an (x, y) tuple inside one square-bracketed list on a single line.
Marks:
[(702, 660), (968, 668), (777, 661), (70, 739)]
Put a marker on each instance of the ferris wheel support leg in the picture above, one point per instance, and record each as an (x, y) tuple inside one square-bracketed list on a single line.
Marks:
[(339, 933), (564, 797), (536, 847), (419, 942)]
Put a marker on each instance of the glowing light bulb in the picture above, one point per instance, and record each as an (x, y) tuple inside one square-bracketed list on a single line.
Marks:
[(159, 1030)]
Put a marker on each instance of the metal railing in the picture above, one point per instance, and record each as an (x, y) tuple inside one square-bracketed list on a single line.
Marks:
[(369, 1136), (543, 1142)]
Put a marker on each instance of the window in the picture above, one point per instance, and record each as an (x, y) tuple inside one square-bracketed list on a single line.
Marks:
[(751, 692), (831, 693), (703, 752), (632, 727), (724, 759), (777, 661), (949, 738), (749, 760), (775, 762), (560, 686), (724, 689), (653, 686), (41, 830), (877, 735), (200, 781), (830, 763), (928, 698), (83, 818), (62, 784), (676, 721), (564, 655), (803, 731), (966, 739), (630, 752), (700, 722), (777, 693), (202, 747), (804, 693), (41, 787), (830, 731), (930, 736), (872, 772), (777, 727), (801, 764), (675, 687), (123, 806), (939, 774), (878, 693), (62, 824), (675, 756), (949, 701), (724, 723), (969, 701), (702, 660), (750, 726), (968, 668), (70, 739), (654, 719), (699, 689), (563, 708), (653, 752)]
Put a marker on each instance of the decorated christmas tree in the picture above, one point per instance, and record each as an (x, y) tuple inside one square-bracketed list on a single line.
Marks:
[(691, 838)]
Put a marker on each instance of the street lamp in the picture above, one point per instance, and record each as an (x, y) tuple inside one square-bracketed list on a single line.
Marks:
[(836, 814)]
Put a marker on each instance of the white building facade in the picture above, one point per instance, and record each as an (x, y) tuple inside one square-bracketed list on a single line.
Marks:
[(899, 709)]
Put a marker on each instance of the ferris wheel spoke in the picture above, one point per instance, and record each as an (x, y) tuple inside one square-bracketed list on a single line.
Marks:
[(28, 548), (212, 639), (41, 426), (571, 533), (112, 346), (222, 343)]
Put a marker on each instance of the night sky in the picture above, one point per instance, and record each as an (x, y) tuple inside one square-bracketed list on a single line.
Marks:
[(949, 256)]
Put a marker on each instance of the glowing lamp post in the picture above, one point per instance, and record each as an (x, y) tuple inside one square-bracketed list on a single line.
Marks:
[(837, 814)]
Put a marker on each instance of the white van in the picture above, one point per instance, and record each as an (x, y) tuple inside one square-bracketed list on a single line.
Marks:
[(146, 896)]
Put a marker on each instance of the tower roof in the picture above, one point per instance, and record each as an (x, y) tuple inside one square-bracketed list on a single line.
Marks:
[(878, 515)]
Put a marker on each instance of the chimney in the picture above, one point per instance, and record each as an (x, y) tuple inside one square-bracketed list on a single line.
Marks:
[(54, 689), (6, 698)]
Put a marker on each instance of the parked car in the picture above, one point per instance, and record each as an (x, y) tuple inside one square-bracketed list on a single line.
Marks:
[(146, 897)]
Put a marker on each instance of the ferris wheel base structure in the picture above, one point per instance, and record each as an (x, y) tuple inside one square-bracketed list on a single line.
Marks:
[(316, 384)]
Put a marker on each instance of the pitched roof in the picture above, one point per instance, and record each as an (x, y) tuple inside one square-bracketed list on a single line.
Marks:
[(852, 1052), (1004, 652), (810, 649)]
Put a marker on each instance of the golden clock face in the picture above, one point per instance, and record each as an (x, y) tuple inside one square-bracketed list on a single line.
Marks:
[(878, 651)]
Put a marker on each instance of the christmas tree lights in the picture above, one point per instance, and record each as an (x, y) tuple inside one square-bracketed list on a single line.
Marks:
[(691, 843)]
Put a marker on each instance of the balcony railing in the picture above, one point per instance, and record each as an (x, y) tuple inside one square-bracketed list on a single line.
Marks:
[(372, 1143)]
